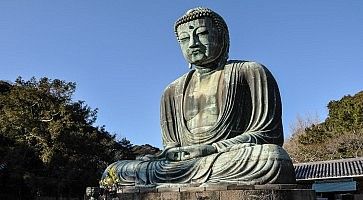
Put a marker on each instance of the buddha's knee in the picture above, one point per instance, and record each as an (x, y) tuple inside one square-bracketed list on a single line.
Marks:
[(275, 151)]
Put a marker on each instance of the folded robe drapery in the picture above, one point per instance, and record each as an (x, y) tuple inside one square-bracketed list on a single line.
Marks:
[(248, 135)]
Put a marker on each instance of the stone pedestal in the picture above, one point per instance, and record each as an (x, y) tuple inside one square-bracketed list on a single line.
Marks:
[(218, 192)]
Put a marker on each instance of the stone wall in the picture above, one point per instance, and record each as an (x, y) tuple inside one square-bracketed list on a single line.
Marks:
[(217, 192)]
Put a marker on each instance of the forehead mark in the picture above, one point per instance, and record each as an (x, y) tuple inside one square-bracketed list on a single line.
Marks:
[(191, 27)]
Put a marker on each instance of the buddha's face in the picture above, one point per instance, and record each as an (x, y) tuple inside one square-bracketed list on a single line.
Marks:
[(200, 41)]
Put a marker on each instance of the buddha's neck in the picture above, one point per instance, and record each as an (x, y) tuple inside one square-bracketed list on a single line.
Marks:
[(204, 70), (209, 68)]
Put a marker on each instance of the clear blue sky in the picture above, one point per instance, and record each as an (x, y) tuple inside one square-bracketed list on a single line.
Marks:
[(122, 54)]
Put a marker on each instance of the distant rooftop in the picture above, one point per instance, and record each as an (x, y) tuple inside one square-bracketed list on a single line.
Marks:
[(342, 168)]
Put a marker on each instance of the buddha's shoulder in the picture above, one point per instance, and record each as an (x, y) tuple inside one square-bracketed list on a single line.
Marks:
[(245, 65), (176, 83)]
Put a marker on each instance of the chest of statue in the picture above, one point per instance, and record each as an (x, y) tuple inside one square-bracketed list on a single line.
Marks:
[(202, 100)]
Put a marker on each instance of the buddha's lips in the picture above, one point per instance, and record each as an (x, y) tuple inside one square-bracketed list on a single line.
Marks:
[(196, 52)]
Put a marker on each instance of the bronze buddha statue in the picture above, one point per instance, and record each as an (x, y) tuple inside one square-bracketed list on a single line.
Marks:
[(221, 121)]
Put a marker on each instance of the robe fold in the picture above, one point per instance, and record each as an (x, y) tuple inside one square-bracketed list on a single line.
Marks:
[(248, 135)]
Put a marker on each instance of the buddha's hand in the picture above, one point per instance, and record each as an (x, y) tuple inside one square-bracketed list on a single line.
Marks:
[(189, 152)]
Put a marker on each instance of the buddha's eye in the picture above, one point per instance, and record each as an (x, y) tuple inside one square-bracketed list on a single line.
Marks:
[(203, 33), (184, 37)]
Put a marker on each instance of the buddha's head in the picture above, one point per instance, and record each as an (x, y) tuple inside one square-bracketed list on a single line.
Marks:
[(203, 37)]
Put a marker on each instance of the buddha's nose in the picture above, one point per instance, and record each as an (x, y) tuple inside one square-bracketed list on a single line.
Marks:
[(194, 42)]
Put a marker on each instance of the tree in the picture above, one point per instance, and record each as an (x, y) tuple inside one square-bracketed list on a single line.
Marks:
[(49, 142), (297, 151), (339, 136), (145, 150)]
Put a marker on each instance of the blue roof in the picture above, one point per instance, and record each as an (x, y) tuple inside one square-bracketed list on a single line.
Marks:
[(342, 168)]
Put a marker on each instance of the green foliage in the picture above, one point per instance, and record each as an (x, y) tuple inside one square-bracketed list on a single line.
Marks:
[(339, 136), (315, 134), (48, 141), (346, 114)]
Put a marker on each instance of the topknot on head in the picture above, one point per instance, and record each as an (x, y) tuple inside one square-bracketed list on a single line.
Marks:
[(195, 9)]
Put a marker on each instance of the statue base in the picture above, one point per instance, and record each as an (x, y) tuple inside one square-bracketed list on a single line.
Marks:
[(218, 192)]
